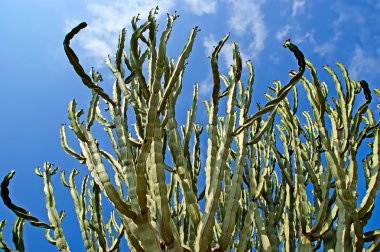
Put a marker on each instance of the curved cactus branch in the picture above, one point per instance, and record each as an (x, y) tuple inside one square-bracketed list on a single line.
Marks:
[(20, 212)]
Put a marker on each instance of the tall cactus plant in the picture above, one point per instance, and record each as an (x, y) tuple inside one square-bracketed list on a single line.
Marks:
[(272, 181)]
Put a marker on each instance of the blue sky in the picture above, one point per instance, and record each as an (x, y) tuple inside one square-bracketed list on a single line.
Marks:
[(38, 81)]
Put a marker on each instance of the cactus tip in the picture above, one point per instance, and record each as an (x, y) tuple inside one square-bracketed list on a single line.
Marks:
[(286, 43)]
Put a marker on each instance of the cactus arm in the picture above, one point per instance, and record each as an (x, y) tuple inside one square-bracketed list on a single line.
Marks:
[(103, 121), (248, 91), (350, 89), (49, 238), (20, 212), (295, 100), (300, 189), (141, 185), (103, 178), (135, 63), (323, 207), (126, 157), (119, 52), (329, 220), (113, 141), (66, 147), (95, 165), (160, 190), (82, 213), (342, 232), (116, 243), (92, 109), (98, 219), (255, 192), (353, 166), (178, 68), (342, 108), (234, 193), (204, 232), (346, 198), (130, 235), (332, 149), (369, 199), (152, 45), (191, 114), (119, 77), (374, 236), (18, 233), (51, 208), (264, 128), (261, 230), (73, 117), (319, 107), (79, 205), (175, 146), (282, 93), (74, 61), (212, 143), (196, 155), (126, 61), (3, 245), (248, 225), (114, 163)]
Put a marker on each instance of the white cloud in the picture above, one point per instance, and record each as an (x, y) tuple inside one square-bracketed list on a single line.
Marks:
[(208, 43), (327, 47), (205, 87), (105, 21), (321, 48), (348, 13), (247, 19), (298, 7), (307, 37), (200, 7), (284, 32), (364, 65), (274, 58)]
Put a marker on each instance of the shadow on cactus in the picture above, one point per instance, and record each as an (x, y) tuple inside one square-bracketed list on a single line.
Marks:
[(258, 170)]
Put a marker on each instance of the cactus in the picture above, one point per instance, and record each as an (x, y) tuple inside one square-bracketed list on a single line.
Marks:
[(277, 179)]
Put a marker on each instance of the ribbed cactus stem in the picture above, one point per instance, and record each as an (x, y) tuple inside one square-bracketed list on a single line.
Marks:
[(280, 178), (51, 208)]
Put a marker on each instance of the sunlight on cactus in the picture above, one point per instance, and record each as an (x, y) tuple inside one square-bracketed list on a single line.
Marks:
[(278, 179)]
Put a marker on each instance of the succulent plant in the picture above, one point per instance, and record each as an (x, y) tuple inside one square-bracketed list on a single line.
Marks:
[(271, 181)]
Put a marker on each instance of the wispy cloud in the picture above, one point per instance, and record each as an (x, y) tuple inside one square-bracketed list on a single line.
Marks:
[(200, 7), (247, 19), (298, 7), (274, 58), (307, 37), (205, 87), (282, 33), (327, 47), (208, 43), (105, 21), (321, 48), (364, 65)]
